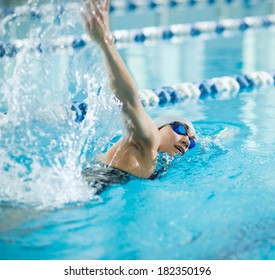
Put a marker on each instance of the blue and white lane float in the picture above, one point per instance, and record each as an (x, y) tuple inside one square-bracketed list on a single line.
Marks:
[(218, 88), (192, 30), (148, 34), (116, 6), (225, 87)]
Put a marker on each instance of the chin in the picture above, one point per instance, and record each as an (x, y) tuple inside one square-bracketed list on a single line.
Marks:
[(172, 154)]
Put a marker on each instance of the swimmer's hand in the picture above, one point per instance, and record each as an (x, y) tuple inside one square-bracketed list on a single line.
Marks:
[(96, 21)]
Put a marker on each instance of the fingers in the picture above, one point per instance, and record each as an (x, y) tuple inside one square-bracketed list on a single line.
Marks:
[(94, 10), (106, 5), (95, 6), (91, 6)]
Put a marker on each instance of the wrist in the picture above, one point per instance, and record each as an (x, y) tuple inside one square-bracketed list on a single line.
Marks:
[(108, 41)]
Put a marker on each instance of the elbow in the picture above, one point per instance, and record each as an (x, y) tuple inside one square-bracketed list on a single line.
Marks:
[(130, 107)]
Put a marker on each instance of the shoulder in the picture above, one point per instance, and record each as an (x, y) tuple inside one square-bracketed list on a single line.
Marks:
[(148, 139), (141, 129), (131, 158)]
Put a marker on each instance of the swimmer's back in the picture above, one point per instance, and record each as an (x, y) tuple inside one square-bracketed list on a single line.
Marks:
[(100, 176)]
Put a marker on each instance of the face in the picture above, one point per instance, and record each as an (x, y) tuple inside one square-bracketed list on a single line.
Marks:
[(173, 142)]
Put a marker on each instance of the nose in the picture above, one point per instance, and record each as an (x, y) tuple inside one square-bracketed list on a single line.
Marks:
[(185, 141)]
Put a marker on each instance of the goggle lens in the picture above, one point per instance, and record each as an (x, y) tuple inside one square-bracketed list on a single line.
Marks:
[(192, 144), (179, 128)]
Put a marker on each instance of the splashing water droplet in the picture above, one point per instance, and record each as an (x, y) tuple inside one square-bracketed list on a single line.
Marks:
[(42, 148)]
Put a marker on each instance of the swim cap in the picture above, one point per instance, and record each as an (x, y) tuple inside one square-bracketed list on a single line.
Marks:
[(165, 120)]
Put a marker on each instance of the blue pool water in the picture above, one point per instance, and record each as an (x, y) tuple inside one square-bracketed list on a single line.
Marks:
[(216, 202)]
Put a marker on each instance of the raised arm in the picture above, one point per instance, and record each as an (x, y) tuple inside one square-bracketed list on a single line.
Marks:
[(96, 20)]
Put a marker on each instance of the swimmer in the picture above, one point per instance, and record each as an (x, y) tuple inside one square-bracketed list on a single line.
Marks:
[(136, 152)]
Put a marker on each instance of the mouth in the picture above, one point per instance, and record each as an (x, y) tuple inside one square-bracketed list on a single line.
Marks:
[(180, 149)]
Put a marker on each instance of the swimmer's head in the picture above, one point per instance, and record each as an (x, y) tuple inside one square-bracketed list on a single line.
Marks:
[(177, 134)]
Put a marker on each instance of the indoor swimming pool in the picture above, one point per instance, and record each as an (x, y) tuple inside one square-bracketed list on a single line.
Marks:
[(215, 202)]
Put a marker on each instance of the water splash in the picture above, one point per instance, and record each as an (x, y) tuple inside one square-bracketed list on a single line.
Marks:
[(42, 148)]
